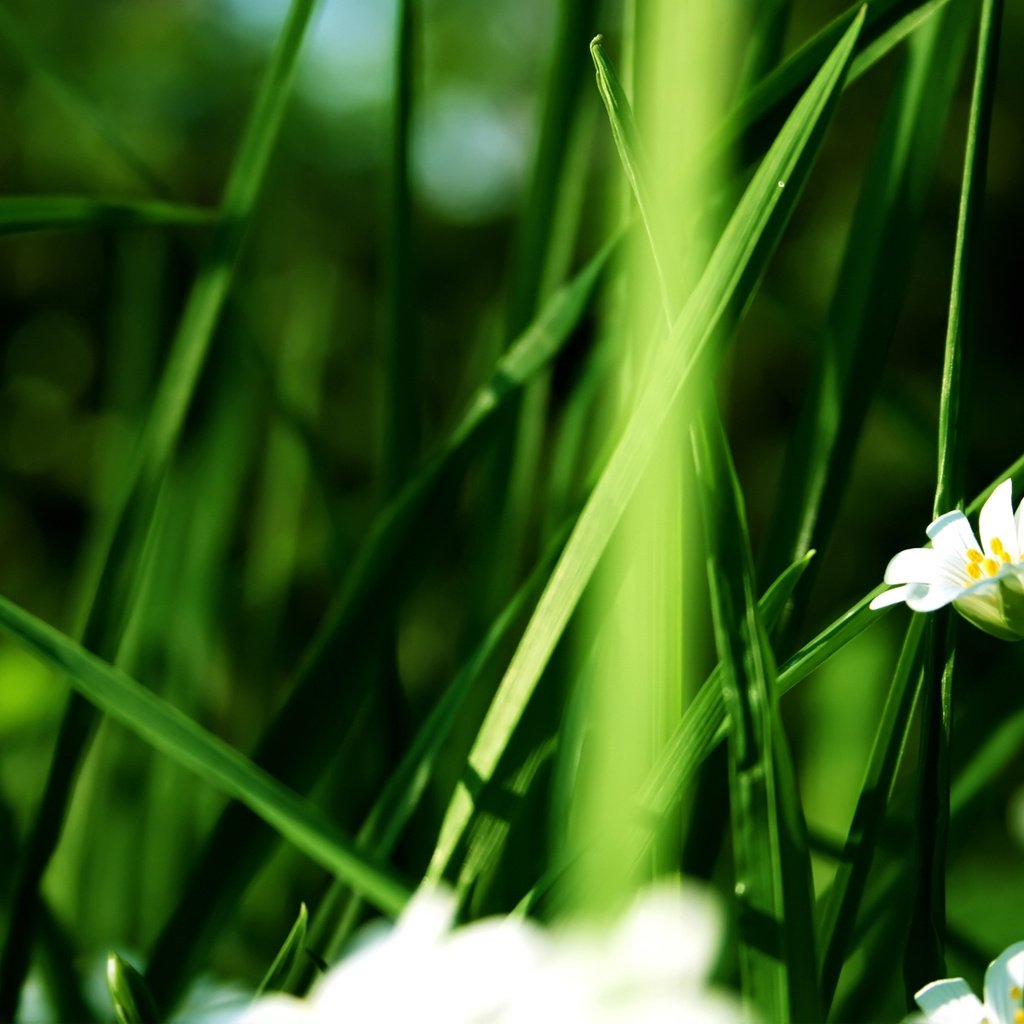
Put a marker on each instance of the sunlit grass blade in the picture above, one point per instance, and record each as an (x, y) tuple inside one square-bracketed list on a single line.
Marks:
[(729, 278), (22, 214), (925, 951), (778, 963), (287, 956), (758, 114), (671, 772), (132, 1001), (29, 53), (111, 593), (189, 744), (301, 741), (867, 299)]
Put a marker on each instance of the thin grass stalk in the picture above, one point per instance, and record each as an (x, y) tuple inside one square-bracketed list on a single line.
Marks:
[(925, 952), (401, 435)]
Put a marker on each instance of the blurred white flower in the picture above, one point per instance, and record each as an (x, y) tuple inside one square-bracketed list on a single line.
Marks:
[(648, 967), (951, 1001), (984, 582)]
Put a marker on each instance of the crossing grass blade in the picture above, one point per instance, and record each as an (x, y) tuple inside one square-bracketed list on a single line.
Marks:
[(189, 744), (23, 214), (132, 1002), (728, 281), (777, 954), (111, 593), (301, 740), (925, 949)]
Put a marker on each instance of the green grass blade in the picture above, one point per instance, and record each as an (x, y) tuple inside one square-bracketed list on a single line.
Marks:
[(301, 741), (777, 956), (846, 893), (729, 277), (705, 724), (401, 438), (189, 744), (758, 115), (868, 296), (22, 214), (393, 808), (287, 956), (925, 954), (132, 1001), (112, 592)]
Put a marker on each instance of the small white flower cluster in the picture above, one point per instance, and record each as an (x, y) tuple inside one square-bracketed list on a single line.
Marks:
[(649, 967), (951, 1001), (984, 582)]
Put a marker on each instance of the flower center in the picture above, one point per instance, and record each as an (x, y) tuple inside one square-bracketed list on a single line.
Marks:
[(979, 566), (1015, 996)]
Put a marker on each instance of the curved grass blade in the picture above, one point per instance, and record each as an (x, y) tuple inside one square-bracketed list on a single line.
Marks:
[(301, 740), (728, 279), (924, 957), (179, 737), (121, 564), (22, 214), (277, 974)]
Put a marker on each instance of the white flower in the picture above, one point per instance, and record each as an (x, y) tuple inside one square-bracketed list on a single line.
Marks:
[(985, 582), (649, 967), (952, 1002)]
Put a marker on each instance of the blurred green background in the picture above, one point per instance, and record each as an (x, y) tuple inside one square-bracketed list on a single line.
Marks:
[(282, 463)]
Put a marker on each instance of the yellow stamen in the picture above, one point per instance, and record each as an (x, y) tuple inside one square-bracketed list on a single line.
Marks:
[(1018, 1017), (974, 571), (1015, 993), (991, 566), (999, 550), (974, 555)]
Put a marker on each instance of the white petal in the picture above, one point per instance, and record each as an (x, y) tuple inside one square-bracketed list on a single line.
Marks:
[(951, 1001), (1019, 519), (915, 565), (1004, 982), (996, 520), (952, 534), (923, 598), (889, 597)]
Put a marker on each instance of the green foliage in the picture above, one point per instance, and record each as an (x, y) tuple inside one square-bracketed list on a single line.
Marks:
[(328, 638)]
